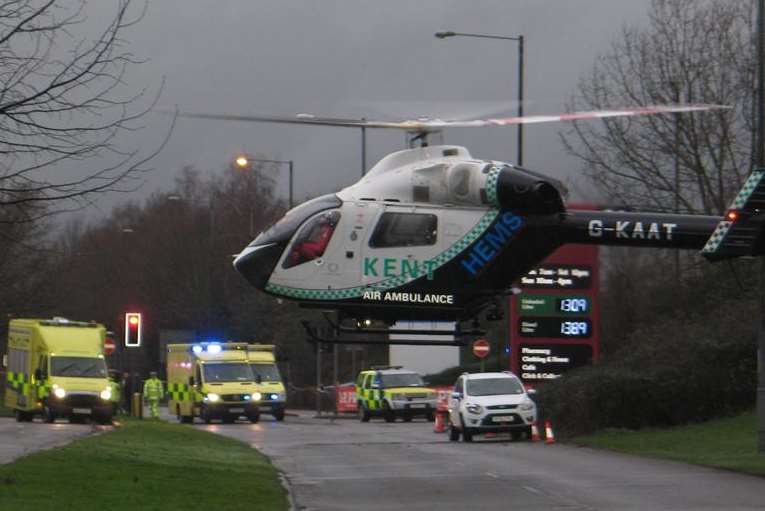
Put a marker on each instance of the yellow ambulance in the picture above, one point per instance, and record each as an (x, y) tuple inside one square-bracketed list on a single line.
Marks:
[(211, 381), (268, 378), (56, 368)]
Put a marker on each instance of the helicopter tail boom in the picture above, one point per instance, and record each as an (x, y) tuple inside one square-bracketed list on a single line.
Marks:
[(625, 228)]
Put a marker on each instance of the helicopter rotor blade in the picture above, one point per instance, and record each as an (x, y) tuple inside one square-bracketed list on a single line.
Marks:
[(427, 124)]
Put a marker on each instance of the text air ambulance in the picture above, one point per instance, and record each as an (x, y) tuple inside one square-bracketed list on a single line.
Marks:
[(56, 368), (211, 381), (270, 385)]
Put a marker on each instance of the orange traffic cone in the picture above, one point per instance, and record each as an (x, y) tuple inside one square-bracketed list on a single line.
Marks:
[(535, 433), (440, 425), (549, 436)]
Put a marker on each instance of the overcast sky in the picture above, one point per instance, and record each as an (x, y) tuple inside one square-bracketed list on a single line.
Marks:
[(360, 58)]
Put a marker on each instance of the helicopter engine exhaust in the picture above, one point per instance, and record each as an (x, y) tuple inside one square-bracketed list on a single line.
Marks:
[(524, 190)]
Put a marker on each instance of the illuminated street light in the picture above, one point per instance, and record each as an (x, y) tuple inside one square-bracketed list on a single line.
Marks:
[(244, 161)]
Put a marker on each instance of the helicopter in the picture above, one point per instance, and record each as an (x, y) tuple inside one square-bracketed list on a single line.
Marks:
[(433, 233)]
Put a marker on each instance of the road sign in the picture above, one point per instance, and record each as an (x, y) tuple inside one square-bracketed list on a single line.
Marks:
[(481, 348), (109, 346)]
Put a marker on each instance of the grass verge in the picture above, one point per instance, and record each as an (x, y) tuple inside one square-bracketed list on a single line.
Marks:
[(726, 443), (144, 465)]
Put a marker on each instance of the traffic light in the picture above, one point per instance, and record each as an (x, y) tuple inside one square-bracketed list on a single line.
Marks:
[(133, 329)]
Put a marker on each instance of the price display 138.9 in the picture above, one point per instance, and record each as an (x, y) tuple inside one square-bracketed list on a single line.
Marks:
[(555, 327)]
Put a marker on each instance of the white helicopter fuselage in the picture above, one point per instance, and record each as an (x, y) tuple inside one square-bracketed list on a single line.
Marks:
[(432, 233)]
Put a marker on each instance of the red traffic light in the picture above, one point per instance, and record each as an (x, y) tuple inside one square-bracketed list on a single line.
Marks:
[(133, 335)]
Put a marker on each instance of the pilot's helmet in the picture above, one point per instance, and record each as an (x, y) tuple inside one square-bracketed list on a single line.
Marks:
[(331, 218)]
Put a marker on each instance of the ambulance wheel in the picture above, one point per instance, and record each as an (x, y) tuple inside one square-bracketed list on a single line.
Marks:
[(454, 433), (516, 435), (22, 416), (279, 415), (431, 416), (103, 419), (363, 412), (48, 415), (229, 419), (205, 416), (388, 413), (187, 419), (254, 418), (407, 417)]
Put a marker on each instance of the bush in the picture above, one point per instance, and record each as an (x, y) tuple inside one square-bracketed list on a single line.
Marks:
[(675, 371)]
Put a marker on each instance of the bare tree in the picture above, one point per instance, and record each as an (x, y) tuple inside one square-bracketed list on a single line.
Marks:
[(691, 51), (65, 107)]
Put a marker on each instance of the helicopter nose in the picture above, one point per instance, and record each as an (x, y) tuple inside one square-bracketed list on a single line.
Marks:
[(256, 262)]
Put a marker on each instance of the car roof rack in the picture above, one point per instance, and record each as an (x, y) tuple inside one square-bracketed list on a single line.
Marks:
[(381, 368)]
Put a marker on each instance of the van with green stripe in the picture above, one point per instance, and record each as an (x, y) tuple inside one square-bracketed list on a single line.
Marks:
[(212, 381), (56, 369)]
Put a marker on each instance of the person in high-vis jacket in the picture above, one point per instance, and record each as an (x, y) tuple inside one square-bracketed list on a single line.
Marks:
[(152, 393)]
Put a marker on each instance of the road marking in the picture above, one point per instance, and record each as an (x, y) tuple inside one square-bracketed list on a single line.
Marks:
[(532, 490), (495, 476)]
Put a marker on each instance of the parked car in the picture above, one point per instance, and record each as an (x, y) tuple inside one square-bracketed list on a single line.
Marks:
[(490, 403)]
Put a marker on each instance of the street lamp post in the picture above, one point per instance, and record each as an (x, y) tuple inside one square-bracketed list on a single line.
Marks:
[(243, 161), (519, 149), (519, 38)]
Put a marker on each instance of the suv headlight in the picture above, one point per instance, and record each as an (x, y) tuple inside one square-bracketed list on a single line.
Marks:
[(59, 392), (475, 409), (212, 397), (398, 397), (106, 394), (256, 396), (526, 406)]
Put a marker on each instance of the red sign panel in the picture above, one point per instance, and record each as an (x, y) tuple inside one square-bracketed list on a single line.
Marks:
[(555, 320), (345, 398), (481, 348), (109, 346)]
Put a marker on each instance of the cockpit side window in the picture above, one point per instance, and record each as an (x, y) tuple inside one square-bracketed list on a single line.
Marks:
[(282, 231), (312, 239), (405, 230)]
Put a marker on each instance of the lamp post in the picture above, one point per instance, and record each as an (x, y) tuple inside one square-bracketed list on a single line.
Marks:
[(243, 161), (519, 149), (519, 39)]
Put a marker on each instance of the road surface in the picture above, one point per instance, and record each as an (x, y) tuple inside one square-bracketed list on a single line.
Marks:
[(344, 464), (21, 438)]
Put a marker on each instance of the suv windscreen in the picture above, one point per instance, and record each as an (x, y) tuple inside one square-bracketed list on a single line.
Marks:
[(493, 386), (78, 367), (401, 380)]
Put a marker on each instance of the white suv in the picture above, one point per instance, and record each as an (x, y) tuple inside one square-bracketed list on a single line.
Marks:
[(490, 403)]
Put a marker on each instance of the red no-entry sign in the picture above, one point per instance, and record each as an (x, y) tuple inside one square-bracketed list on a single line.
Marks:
[(109, 346), (481, 348)]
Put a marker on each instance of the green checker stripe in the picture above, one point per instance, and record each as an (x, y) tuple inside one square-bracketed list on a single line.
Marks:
[(714, 241), (179, 392), (43, 389), (491, 186), (18, 382), (355, 292), (751, 184)]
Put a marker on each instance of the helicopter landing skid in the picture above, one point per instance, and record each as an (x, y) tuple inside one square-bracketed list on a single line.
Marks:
[(339, 334)]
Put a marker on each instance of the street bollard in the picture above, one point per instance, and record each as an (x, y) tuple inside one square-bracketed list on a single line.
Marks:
[(137, 406)]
